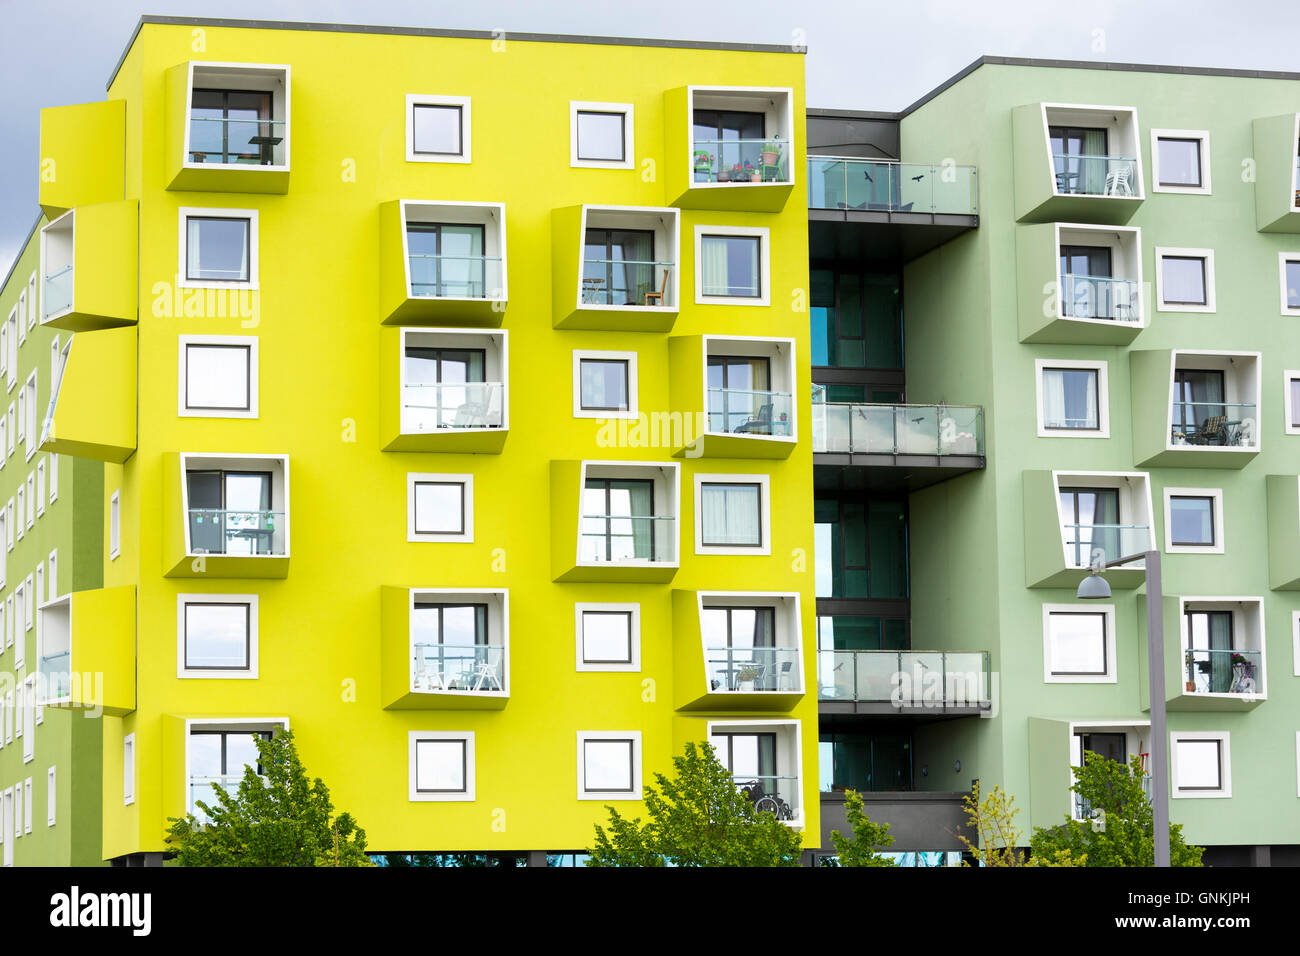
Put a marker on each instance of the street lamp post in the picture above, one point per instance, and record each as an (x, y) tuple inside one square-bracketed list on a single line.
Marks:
[(1094, 586)]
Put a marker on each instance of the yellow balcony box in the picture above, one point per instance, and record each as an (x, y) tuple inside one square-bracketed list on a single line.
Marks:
[(82, 155), (736, 392), (442, 263), (616, 267), (92, 411), (737, 650), (85, 650), (714, 162), (1277, 178), (189, 771), (225, 515), (443, 390), (766, 757), (615, 521), (88, 267), (227, 127), (444, 648), (1215, 657), (1284, 532)]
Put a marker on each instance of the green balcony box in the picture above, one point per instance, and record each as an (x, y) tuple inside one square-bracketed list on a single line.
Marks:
[(1284, 532), (1214, 653), (1277, 173)]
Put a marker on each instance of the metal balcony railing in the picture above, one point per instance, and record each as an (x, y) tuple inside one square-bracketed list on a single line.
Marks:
[(232, 532)]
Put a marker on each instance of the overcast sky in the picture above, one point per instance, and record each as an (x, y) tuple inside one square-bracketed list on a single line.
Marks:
[(861, 55)]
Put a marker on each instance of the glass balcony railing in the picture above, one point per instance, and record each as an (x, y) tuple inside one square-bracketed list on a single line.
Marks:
[(771, 793), (56, 291), (1101, 297), (455, 277), (1228, 424), (740, 161), (875, 185), (236, 141), (627, 539), (201, 788), (446, 406), (873, 429), (1112, 540), (639, 282), (224, 531), (458, 667), (1083, 808), (930, 678), (1223, 671), (755, 669), (1081, 175), (55, 670), (746, 412)]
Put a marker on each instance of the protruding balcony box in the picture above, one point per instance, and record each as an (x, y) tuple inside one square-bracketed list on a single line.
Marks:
[(597, 283), (241, 527), (1056, 749), (902, 682), (766, 760), (1195, 409), (753, 172), (1284, 532), (458, 664), (1061, 535), (85, 650), (1076, 308), (92, 411), (1210, 666), (183, 781), (1080, 181), (1277, 173), (712, 381), (615, 521), (427, 404), (711, 674), (82, 155), (452, 273), (235, 138), (88, 267)]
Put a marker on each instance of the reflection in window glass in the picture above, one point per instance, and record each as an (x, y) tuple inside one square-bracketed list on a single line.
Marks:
[(1070, 398), (730, 266), (600, 136), (1182, 280), (1077, 643), (217, 249), (217, 636), (437, 129), (607, 765), (1179, 161), (1191, 520)]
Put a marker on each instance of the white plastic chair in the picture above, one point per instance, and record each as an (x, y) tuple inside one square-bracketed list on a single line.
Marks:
[(485, 671), (1118, 175)]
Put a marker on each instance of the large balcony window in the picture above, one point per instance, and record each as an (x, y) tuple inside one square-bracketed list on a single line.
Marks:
[(1110, 513), (218, 754), (233, 127), (452, 261), (1223, 647), (619, 520), (1201, 413), (457, 644), (1084, 163), (231, 511), (1110, 742), (452, 380), (1195, 409), (764, 760), (750, 385), (740, 136), (750, 646), (1076, 161), (1099, 273)]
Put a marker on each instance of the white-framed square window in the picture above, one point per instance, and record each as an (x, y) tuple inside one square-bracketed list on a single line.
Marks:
[(439, 507), (441, 765), (1201, 763), (1184, 280), (1193, 520), (115, 524), (40, 488), (437, 128), (1288, 267), (732, 265), (1073, 398), (1180, 161), (51, 797), (216, 636), (1079, 644), (601, 135), (608, 636), (128, 770), (217, 376), (218, 248), (732, 514), (604, 384), (609, 765)]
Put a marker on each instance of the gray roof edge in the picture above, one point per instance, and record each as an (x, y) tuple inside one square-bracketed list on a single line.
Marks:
[(21, 249)]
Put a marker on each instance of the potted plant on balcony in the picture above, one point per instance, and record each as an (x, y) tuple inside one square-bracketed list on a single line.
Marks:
[(724, 174), (703, 161), (1190, 684), (746, 676), (772, 152)]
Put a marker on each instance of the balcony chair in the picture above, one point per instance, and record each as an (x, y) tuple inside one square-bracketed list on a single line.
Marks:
[(591, 288), (428, 678), (1118, 178), (658, 296), (1213, 431), (486, 672), (785, 677), (470, 415), (760, 424)]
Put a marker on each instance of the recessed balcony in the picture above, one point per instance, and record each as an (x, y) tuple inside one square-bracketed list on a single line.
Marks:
[(1218, 660), (1081, 284), (88, 267), (765, 759), (1277, 173), (1195, 409)]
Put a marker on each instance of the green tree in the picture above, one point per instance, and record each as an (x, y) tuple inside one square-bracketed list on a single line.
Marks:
[(697, 818), (860, 849), (284, 821), (1122, 832), (992, 818)]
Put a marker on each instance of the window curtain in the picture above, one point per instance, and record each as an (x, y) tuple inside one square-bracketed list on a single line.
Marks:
[(631, 499), (1054, 398), (1221, 663), (715, 279), (731, 514), (1094, 170), (635, 276)]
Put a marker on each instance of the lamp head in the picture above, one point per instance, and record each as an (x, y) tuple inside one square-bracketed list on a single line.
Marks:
[(1093, 587)]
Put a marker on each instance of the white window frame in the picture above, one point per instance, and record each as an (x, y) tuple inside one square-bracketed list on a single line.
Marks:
[(11, 618), (4, 556), (11, 519), (12, 356), (1282, 259), (1101, 367), (458, 796), (29, 606), (18, 809), (764, 265), (115, 525), (54, 477), (51, 796), (128, 769), (1111, 676), (465, 480), (637, 792), (182, 375), (182, 671), (27, 806), (1207, 255), (30, 485), (53, 576), (1225, 764), (29, 719), (629, 138), (1292, 413), (1295, 643), (633, 404), (634, 637), (31, 301), (1216, 494), (204, 212), (1203, 136), (40, 488), (32, 426), (437, 99), (13, 425), (764, 513)]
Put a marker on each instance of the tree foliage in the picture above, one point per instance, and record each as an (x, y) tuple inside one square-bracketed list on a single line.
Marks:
[(696, 818), (861, 848), (992, 817), (284, 821), (1122, 832)]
